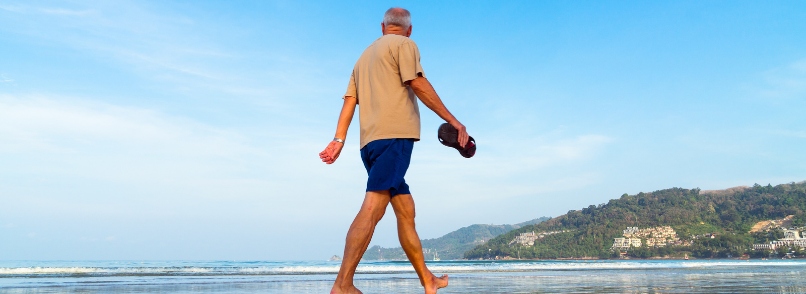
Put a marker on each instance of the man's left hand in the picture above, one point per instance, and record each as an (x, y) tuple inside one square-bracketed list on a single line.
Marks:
[(331, 152)]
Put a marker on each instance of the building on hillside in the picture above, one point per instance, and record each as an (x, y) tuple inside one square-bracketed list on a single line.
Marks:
[(791, 234), (525, 239), (625, 243), (630, 231), (712, 236), (528, 239), (655, 236), (769, 247), (791, 239)]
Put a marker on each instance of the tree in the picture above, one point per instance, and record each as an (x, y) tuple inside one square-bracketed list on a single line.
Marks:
[(782, 251)]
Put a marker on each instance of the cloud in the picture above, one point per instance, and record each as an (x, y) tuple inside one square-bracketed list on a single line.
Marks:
[(788, 133), (504, 153), (63, 11), (72, 138), (48, 11), (160, 45), (4, 79), (127, 31), (72, 157), (785, 82), (174, 51), (11, 8), (50, 125), (507, 165)]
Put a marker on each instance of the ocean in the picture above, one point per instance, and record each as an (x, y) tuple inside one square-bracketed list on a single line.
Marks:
[(534, 276)]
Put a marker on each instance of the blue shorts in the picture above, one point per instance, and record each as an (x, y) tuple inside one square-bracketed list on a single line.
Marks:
[(386, 161)]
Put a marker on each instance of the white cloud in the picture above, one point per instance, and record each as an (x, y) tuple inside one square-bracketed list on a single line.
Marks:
[(507, 165), (785, 82), (11, 8), (64, 11), (36, 122), (73, 157), (127, 31), (788, 133), (4, 79), (504, 153), (27, 9), (67, 138), (179, 53)]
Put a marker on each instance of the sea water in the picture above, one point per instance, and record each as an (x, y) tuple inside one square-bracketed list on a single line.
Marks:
[(541, 276)]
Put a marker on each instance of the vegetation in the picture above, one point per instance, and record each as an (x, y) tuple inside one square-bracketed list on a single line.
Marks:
[(730, 214), (453, 245)]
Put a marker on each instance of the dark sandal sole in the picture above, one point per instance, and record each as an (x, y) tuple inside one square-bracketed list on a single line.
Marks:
[(448, 136)]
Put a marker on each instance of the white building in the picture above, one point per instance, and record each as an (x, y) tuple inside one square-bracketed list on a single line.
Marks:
[(791, 238), (770, 247), (791, 234), (526, 239), (630, 230), (626, 243)]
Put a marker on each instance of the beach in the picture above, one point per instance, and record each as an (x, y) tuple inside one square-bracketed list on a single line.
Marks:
[(567, 276)]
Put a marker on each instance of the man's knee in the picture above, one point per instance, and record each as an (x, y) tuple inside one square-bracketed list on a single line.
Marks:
[(375, 213), (375, 204), (405, 214), (404, 207), (378, 214)]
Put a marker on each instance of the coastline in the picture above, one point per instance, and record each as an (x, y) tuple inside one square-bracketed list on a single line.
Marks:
[(467, 276), (507, 258)]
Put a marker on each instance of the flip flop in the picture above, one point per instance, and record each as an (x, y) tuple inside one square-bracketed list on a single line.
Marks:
[(449, 136)]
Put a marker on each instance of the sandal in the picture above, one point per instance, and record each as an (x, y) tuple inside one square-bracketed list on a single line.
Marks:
[(448, 136)]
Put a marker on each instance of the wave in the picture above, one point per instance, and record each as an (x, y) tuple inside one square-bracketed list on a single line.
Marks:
[(380, 267)]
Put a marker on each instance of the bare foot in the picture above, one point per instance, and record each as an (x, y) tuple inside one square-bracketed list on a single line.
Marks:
[(349, 290), (436, 283)]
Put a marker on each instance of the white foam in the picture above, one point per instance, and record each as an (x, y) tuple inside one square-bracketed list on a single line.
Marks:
[(390, 267)]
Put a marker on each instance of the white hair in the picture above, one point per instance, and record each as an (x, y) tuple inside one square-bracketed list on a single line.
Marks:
[(398, 17)]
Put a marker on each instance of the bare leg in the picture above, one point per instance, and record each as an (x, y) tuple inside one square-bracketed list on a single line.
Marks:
[(358, 238), (403, 205)]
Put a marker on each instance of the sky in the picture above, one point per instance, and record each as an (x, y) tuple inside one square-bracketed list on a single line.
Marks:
[(190, 130)]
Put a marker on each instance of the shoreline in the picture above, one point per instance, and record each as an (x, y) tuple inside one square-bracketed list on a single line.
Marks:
[(596, 258)]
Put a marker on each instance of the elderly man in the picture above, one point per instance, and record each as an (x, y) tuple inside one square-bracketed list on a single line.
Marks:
[(384, 81)]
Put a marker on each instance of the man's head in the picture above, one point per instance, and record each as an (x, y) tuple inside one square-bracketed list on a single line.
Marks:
[(397, 21)]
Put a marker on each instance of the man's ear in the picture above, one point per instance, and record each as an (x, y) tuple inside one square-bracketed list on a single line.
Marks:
[(383, 29), (408, 33)]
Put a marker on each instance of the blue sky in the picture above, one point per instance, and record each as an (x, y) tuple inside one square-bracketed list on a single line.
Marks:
[(190, 129)]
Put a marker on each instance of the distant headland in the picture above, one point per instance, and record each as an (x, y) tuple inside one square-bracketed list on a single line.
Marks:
[(740, 222)]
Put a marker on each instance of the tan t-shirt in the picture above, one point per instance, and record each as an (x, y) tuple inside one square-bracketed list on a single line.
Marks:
[(387, 108)]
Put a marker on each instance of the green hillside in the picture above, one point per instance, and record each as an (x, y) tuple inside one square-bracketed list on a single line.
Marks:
[(729, 214), (453, 245)]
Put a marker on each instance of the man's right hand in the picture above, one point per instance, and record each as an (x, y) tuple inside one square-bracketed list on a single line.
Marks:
[(331, 152), (463, 136)]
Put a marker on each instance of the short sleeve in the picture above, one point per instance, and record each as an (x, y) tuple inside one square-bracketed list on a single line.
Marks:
[(409, 61), (351, 87)]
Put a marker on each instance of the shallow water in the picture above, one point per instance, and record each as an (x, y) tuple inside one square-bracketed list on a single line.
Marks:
[(666, 276)]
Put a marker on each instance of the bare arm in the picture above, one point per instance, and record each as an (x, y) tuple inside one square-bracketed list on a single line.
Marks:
[(423, 89), (333, 150)]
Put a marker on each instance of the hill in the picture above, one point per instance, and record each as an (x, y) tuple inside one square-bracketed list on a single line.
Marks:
[(727, 215), (452, 245)]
